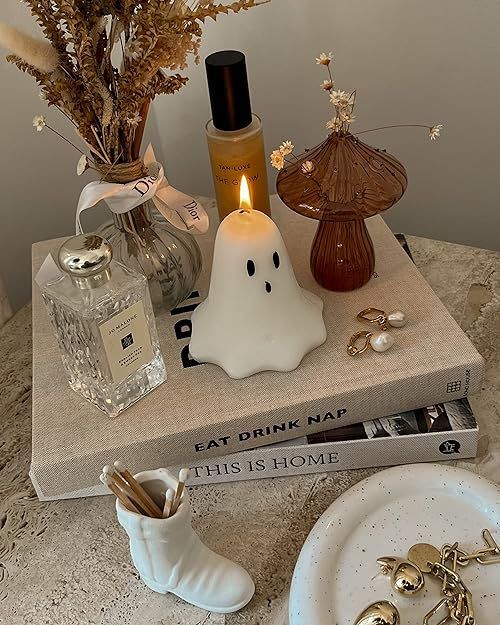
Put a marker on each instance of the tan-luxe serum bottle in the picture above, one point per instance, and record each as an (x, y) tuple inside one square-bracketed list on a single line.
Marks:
[(234, 134)]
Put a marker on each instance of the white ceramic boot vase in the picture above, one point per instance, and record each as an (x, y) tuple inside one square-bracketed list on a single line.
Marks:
[(170, 557)]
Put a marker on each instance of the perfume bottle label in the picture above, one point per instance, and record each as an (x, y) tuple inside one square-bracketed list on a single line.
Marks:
[(229, 172), (127, 342)]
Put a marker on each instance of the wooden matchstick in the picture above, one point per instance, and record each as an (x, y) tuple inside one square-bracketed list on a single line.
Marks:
[(124, 500), (183, 477), (139, 502), (137, 487), (169, 498)]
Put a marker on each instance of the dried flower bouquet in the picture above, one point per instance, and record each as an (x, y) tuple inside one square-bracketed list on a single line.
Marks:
[(343, 103), (102, 62)]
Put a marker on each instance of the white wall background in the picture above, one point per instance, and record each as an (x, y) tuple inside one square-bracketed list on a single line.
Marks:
[(411, 62)]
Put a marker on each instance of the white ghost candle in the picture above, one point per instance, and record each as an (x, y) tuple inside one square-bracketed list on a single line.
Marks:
[(256, 316)]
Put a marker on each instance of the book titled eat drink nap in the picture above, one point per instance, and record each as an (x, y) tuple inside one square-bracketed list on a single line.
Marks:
[(199, 412)]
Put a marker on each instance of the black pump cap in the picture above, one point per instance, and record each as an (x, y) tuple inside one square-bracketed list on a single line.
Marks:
[(228, 89)]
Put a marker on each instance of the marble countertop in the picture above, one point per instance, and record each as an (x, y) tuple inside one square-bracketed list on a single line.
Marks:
[(68, 562)]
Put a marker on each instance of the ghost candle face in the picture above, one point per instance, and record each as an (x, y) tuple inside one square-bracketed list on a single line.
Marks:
[(256, 316)]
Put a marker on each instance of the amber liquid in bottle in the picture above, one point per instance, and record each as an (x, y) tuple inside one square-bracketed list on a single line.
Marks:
[(234, 153), (234, 134)]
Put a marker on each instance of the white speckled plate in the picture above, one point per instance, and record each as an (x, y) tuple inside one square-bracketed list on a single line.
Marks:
[(385, 515)]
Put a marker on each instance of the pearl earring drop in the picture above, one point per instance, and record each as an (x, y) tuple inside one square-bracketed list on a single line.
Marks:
[(378, 341), (396, 318)]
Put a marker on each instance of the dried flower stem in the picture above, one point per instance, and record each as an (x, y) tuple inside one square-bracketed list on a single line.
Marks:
[(393, 126), (108, 160), (63, 138), (139, 133)]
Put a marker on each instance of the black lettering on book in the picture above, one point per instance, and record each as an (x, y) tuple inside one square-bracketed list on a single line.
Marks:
[(197, 471), (300, 461), (218, 442), (219, 469), (320, 418), (277, 464), (182, 310), (258, 465), (183, 329), (235, 467), (186, 359), (214, 470), (269, 429)]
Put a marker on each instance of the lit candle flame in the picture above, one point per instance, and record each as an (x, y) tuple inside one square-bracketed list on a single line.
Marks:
[(245, 202)]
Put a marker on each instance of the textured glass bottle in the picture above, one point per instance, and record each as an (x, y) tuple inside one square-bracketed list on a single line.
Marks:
[(103, 318)]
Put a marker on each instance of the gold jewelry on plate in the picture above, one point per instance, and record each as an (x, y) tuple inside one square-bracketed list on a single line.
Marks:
[(406, 576), (424, 556), (396, 318), (361, 341), (379, 613)]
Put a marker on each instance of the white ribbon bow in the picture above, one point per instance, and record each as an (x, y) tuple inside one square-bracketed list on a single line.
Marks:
[(181, 210)]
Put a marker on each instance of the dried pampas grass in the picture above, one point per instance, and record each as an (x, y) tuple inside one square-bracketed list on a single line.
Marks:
[(38, 53)]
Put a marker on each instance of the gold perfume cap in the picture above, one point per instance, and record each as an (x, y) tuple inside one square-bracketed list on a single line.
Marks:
[(86, 259)]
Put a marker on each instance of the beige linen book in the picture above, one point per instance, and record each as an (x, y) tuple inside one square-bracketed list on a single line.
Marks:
[(443, 432), (199, 412)]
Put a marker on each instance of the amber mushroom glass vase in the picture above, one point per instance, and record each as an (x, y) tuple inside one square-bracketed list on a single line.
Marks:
[(340, 183)]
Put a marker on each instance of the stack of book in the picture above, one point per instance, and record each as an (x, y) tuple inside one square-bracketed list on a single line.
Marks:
[(330, 413), (445, 431)]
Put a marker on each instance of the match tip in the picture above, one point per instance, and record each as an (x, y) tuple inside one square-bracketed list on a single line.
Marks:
[(183, 475), (170, 494), (119, 466), (105, 478), (108, 470)]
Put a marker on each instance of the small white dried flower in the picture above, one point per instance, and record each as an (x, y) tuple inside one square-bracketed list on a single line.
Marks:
[(82, 165), (286, 148), (435, 131), (277, 159), (340, 98), (334, 124), (327, 85), (347, 116), (324, 58), (134, 120), (307, 167), (39, 122)]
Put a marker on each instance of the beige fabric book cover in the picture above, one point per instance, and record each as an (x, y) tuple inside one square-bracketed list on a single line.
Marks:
[(199, 412), (443, 432)]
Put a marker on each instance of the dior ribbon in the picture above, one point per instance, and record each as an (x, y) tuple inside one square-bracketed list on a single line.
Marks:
[(181, 210)]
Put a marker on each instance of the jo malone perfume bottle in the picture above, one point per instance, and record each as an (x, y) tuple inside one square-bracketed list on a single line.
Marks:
[(103, 318), (234, 135)]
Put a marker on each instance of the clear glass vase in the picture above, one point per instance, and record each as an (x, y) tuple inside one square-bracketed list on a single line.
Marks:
[(169, 258)]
